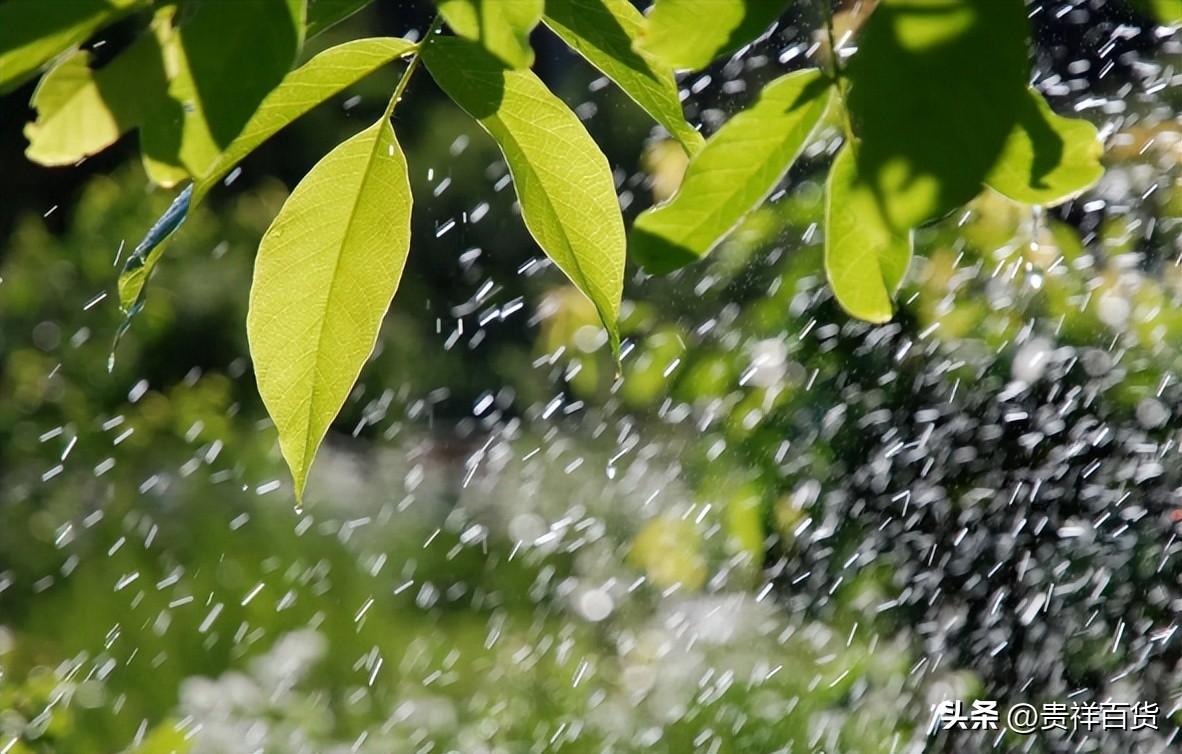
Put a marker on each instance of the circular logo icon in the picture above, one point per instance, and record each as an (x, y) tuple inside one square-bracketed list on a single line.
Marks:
[(1022, 718)]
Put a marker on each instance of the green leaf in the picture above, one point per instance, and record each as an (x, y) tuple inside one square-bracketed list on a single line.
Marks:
[(324, 14), (733, 174), (563, 181), (603, 32), (689, 34), (865, 259), (73, 120), (1047, 158), (322, 77), (326, 272), (501, 26), (32, 34), (932, 117), (304, 88), (81, 111), (223, 60), (1164, 11)]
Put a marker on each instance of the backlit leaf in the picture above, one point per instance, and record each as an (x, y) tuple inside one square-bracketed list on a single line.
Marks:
[(932, 117), (604, 32), (865, 259), (1047, 158), (32, 33), (320, 78), (563, 181), (501, 26), (681, 34), (733, 174), (81, 111), (326, 272)]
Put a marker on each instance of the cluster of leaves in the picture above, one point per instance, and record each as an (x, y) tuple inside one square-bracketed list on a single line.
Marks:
[(935, 106)]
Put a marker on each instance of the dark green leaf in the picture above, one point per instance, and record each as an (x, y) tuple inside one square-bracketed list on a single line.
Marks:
[(324, 14), (225, 57), (934, 93), (33, 32)]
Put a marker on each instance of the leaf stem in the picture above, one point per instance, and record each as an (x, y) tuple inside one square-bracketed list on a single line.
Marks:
[(411, 68), (835, 71), (834, 59)]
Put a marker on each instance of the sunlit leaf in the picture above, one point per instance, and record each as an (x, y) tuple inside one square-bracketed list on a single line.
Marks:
[(1047, 158), (312, 83), (326, 272), (865, 259), (563, 181), (689, 34), (223, 59), (931, 115), (501, 26), (733, 174), (81, 111), (324, 14), (604, 32), (73, 121), (32, 33)]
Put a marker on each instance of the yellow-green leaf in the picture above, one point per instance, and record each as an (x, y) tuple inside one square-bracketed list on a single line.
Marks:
[(82, 111), (689, 34), (32, 33), (322, 77), (865, 259), (733, 174), (1047, 158), (501, 26), (326, 272), (604, 32), (563, 181), (301, 90)]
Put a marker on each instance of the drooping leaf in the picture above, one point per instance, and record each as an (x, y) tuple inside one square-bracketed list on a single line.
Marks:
[(501, 26), (326, 272), (1047, 158), (223, 59), (689, 34), (932, 116), (604, 32), (563, 181), (865, 259), (81, 111), (733, 174), (312, 83), (324, 14), (32, 33)]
